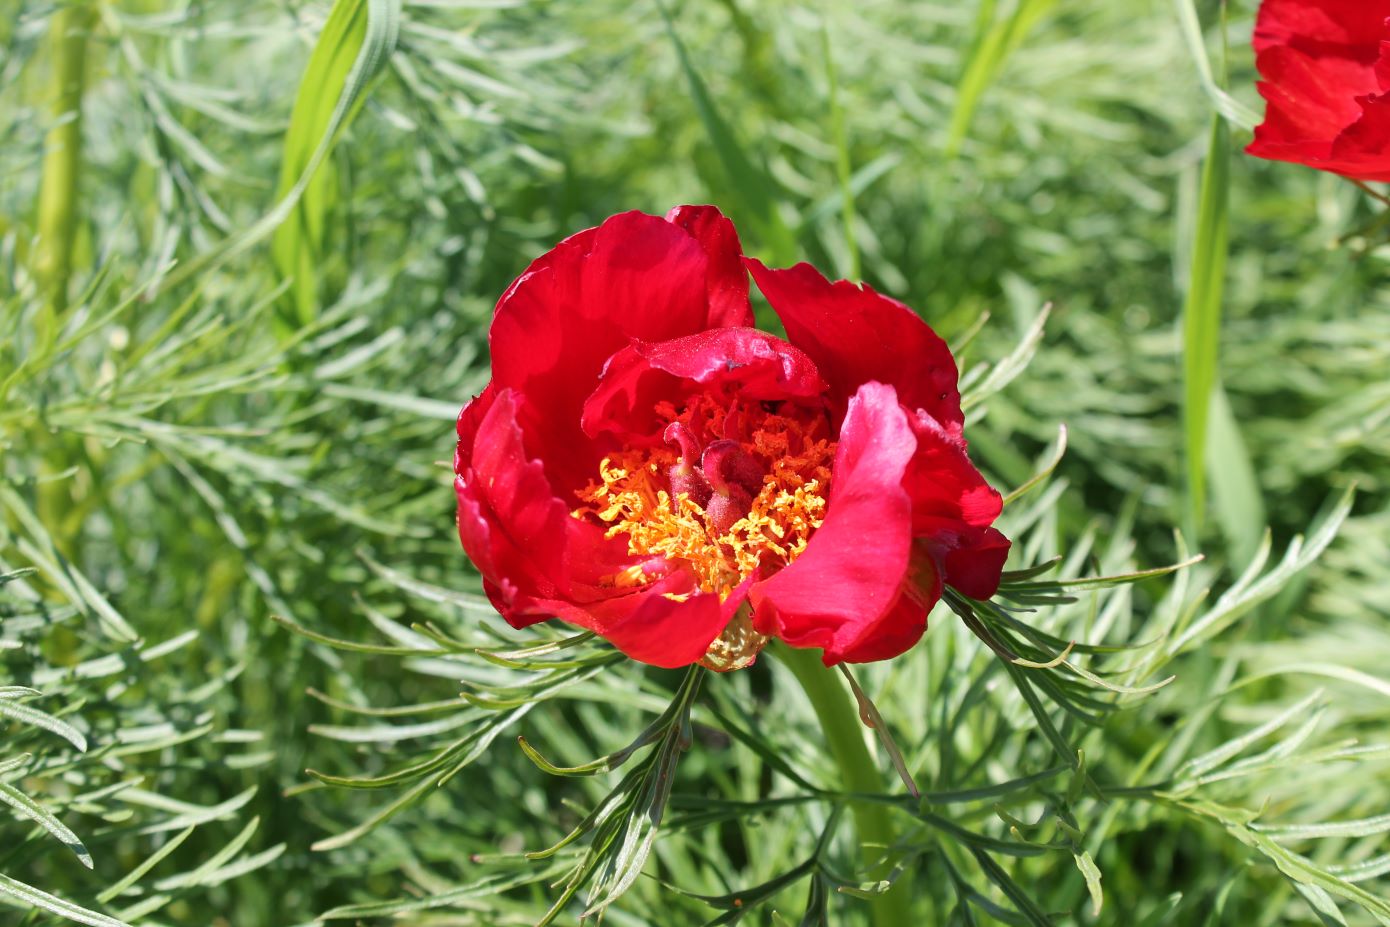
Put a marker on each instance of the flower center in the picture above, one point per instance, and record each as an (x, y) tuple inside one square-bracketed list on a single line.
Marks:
[(736, 490)]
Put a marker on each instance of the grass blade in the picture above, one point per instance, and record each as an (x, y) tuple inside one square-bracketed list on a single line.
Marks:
[(1202, 318), (996, 41), (755, 189), (354, 28), (40, 815), (1240, 511), (55, 905)]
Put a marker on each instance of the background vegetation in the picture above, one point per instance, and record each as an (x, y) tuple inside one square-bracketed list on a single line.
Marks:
[(249, 253)]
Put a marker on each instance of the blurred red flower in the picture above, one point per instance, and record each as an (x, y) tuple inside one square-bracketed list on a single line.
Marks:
[(648, 465), (1326, 70)]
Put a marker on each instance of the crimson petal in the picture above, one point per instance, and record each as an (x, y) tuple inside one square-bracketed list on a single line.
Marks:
[(633, 277), (974, 565), (1346, 28), (1310, 100), (539, 562), (522, 538), (727, 280), (896, 632), (852, 571), (855, 335), (1363, 150), (667, 624), (1324, 67), (750, 363), (942, 481)]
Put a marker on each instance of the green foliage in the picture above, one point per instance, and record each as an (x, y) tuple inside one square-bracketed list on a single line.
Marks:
[(107, 771), (1202, 318), (754, 189), (998, 35), (356, 41), (226, 552)]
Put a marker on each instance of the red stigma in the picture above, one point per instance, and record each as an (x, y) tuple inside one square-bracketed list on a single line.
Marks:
[(684, 475)]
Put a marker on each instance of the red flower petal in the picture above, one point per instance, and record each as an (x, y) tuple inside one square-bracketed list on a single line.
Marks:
[(942, 481), (1310, 99), (1363, 150), (850, 575), (470, 417), (539, 562), (896, 632), (666, 632), (511, 524), (727, 279), (748, 362), (634, 277), (974, 565), (1324, 64), (1347, 28), (651, 626), (666, 624), (855, 335), (902, 625)]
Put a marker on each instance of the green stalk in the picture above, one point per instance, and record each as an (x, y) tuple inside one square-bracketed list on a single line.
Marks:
[(1201, 320), (56, 217), (844, 732)]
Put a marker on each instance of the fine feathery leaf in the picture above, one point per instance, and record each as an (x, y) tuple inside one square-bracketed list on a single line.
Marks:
[(33, 897), (31, 809)]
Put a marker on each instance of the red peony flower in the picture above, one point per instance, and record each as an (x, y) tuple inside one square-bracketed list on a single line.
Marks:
[(648, 465), (1326, 70)]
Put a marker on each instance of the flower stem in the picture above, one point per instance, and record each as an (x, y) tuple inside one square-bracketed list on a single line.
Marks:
[(839, 718)]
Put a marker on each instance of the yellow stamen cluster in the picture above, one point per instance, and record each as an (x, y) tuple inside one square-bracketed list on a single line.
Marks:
[(632, 495)]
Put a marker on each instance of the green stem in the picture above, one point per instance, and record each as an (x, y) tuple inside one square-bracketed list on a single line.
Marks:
[(839, 718), (56, 217), (55, 222)]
